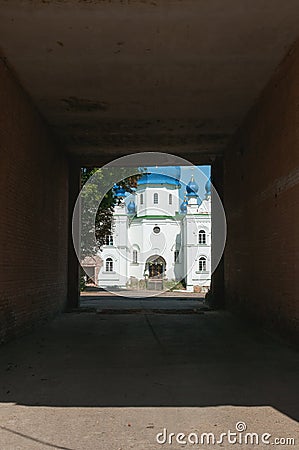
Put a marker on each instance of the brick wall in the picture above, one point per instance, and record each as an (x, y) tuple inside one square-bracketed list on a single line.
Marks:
[(33, 208), (261, 195)]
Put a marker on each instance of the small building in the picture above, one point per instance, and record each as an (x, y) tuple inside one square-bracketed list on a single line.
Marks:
[(92, 266)]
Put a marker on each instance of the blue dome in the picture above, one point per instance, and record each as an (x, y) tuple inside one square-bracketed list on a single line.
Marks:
[(119, 191), (192, 187), (131, 207), (183, 206), (208, 187), (156, 178)]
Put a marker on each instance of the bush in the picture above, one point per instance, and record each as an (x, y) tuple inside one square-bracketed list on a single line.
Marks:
[(132, 283), (142, 285), (171, 285)]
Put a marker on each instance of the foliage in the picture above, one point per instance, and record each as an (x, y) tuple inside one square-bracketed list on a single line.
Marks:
[(102, 181), (172, 285)]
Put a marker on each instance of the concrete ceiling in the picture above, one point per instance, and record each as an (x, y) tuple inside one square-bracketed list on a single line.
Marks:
[(115, 77)]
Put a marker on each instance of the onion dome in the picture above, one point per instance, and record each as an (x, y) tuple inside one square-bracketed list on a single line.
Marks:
[(161, 175), (192, 188), (119, 191), (208, 187), (183, 206), (131, 207)]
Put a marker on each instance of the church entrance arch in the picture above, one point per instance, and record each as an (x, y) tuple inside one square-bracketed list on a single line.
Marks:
[(155, 267)]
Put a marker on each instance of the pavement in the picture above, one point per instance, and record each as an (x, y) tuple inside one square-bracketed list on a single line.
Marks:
[(138, 301), (94, 291), (113, 381)]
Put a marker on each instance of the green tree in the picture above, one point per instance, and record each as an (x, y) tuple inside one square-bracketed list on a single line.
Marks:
[(104, 178)]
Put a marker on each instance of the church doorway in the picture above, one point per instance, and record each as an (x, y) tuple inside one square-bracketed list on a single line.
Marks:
[(155, 267)]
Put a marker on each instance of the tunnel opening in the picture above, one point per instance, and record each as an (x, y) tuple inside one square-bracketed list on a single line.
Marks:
[(153, 233)]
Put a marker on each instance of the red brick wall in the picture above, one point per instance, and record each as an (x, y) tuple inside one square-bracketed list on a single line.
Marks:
[(261, 196), (33, 208)]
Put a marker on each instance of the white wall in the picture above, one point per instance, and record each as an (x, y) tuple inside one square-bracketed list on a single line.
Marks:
[(142, 236), (163, 207), (193, 223), (136, 233)]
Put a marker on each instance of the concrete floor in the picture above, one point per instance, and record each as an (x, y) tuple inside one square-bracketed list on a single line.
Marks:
[(101, 300), (113, 381)]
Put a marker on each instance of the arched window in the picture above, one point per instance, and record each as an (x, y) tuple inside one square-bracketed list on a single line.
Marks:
[(141, 199), (202, 237), (109, 265), (135, 257), (202, 264), (156, 198), (176, 256), (170, 199)]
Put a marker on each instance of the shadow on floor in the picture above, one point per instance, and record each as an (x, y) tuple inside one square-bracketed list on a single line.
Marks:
[(208, 359)]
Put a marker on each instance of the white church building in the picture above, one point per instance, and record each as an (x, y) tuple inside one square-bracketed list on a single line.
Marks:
[(158, 236)]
